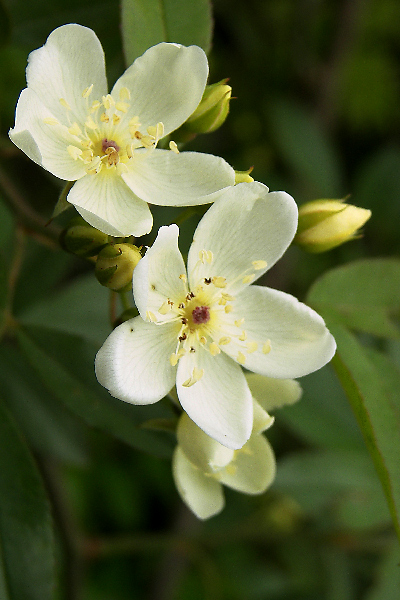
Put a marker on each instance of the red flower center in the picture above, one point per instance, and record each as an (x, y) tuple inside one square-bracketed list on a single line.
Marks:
[(201, 314)]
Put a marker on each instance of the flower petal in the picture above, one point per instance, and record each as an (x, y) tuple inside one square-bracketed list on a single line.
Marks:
[(202, 494), (160, 275), (299, 341), (261, 419), (167, 179), (203, 451), (253, 469), (108, 204), (220, 403), (166, 84), (273, 393), (133, 361), (43, 143), (247, 230), (71, 60)]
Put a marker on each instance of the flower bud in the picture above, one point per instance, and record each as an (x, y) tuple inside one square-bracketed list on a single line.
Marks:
[(212, 110), (115, 264), (324, 224), (82, 239), (243, 176)]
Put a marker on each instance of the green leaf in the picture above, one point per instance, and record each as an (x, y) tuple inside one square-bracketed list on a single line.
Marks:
[(149, 22), (65, 364), (323, 417), (365, 383), (26, 539), (306, 149), (364, 295), (80, 308), (49, 427), (388, 584), (343, 481)]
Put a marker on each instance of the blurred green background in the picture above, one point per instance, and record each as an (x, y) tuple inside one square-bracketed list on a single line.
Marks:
[(316, 112)]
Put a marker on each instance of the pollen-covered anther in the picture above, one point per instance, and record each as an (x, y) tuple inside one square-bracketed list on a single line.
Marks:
[(196, 375), (251, 347), (173, 147), (239, 322), (224, 341), (248, 278), (64, 104), (243, 336), (206, 256), (241, 358), (219, 282), (214, 349), (87, 91), (259, 264), (74, 152), (228, 308), (266, 347), (150, 316), (182, 277), (165, 307)]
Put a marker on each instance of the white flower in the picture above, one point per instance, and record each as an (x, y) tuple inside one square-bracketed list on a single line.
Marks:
[(200, 328), (68, 123), (200, 465)]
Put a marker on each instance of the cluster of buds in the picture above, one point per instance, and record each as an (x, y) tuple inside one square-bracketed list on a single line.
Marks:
[(325, 224), (115, 261)]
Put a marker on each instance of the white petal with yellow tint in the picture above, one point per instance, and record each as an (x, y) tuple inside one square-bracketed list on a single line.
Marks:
[(42, 142), (220, 402), (108, 204), (71, 60), (203, 451), (160, 275), (166, 84), (168, 179), (273, 393), (202, 494), (297, 336), (253, 468), (133, 362), (262, 420), (247, 230)]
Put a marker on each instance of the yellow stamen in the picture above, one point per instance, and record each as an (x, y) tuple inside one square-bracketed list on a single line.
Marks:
[(90, 123), (219, 282), (241, 358), (150, 316), (173, 147), (266, 347), (243, 336), (239, 322), (228, 308), (87, 91), (224, 340), (259, 264), (122, 106), (182, 277), (75, 129), (65, 104), (50, 121), (251, 347), (124, 94), (214, 349), (196, 375), (104, 118), (74, 152), (206, 256), (248, 278)]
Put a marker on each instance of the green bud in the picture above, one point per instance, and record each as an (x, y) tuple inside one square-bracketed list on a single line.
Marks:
[(82, 239), (325, 224), (212, 110), (243, 176), (115, 264)]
